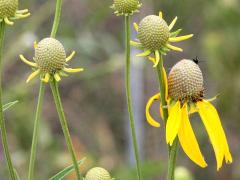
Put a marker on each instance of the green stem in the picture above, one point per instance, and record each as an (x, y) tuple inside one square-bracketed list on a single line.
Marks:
[(172, 150), (35, 131), (59, 107), (2, 121), (128, 94), (56, 18)]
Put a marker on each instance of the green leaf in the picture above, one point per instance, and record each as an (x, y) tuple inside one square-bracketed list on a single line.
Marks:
[(16, 175), (66, 171), (8, 105)]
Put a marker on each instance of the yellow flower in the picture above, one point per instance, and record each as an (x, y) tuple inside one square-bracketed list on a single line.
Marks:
[(9, 11), (185, 96), (98, 173), (50, 61), (125, 7), (155, 36)]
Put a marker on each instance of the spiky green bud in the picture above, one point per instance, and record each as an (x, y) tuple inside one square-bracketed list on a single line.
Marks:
[(98, 173), (50, 55), (153, 32), (126, 7), (185, 81), (8, 8)]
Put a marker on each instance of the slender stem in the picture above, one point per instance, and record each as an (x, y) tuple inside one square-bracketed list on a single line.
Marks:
[(2, 121), (172, 150), (35, 131), (56, 18), (128, 94), (59, 107)]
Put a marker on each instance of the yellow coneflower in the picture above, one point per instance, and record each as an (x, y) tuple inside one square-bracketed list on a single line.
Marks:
[(9, 11), (98, 173), (185, 96), (50, 60), (125, 7), (155, 36)]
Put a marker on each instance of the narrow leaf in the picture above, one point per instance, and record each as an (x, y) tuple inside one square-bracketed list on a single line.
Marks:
[(8, 105), (66, 171), (16, 175)]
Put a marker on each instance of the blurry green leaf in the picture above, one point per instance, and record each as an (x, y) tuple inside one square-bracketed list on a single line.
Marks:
[(16, 175), (8, 105), (66, 171)]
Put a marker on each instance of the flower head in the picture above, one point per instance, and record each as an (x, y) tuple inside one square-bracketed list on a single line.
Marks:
[(50, 60), (98, 173), (9, 11), (184, 97), (126, 7), (155, 36)]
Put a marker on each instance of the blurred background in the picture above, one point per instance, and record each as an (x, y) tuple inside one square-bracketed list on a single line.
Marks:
[(94, 100)]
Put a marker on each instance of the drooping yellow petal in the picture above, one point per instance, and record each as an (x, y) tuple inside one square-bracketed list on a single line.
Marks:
[(165, 82), (212, 123), (19, 16), (70, 56), (22, 11), (172, 23), (46, 78), (152, 59), (33, 75), (174, 48), (136, 44), (180, 38), (150, 119), (7, 21), (135, 25), (27, 61), (157, 55), (188, 140), (145, 53), (173, 123), (57, 77), (71, 70), (213, 98), (160, 14)]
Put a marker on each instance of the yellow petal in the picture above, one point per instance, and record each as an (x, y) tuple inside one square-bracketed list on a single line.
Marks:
[(174, 48), (188, 140), (150, 119), (173, 123), (212, 123), (7, 21), (172, 23), (33, 75), (135, 25), (165, 82), (136, 44), (57, 77), (145, 53), (27, 61), (157, 55), (161, 14), (70, 56), (46, 78), (71, 70), (152, 59), (35, 45), (180, 38)]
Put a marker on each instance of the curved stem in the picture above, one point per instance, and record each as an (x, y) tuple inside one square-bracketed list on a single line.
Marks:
[(128, 94), (56, 18), (35, 132), (59, 107), (172, 150), (2, 122)]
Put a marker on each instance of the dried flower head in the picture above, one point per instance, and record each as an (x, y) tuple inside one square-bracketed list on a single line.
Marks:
[(98, 173), (126, 7), (50, 60), (155, 36), (9, 11), (184, 97)]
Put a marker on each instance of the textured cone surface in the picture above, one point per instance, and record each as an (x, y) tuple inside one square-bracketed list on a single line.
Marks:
[(50, 55), (98, 173), (8, 8), (153, 32), (185, 81), (126, 6)]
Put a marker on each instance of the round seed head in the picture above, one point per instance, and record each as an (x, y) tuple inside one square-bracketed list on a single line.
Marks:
[(126, 6), (185, 81), (98, 173), (50, 55), (153, 32), (8, 8)]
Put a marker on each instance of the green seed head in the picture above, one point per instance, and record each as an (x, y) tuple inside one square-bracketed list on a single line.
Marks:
[(126, 6), (153, 32), (185, 81), (98, 173), (8, 8), (50, 55)]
